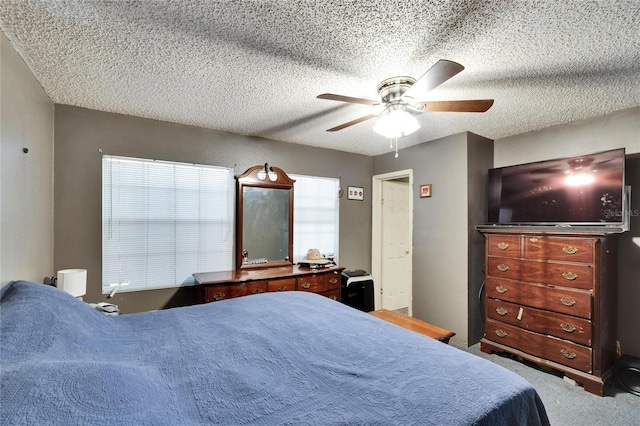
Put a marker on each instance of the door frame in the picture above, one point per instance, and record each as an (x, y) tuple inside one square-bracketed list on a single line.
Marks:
[(376, 232)]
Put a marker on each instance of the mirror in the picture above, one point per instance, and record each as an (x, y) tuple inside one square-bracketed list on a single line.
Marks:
[(264, 236)]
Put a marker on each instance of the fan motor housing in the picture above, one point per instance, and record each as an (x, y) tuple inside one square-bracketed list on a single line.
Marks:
[(392, 88)]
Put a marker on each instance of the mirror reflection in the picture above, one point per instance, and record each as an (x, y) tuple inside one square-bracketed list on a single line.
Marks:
[(265, 234)]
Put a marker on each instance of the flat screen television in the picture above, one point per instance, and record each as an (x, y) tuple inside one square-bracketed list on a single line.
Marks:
[(583, 190)]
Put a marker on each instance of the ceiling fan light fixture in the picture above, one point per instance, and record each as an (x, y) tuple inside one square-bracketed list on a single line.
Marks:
[(579, 179), (396, 123)]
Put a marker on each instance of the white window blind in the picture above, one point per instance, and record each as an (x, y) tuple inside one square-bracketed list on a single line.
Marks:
[(315, 215), (163, 221)]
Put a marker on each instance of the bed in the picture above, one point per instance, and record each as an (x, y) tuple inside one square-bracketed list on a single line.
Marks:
[(290, 358)]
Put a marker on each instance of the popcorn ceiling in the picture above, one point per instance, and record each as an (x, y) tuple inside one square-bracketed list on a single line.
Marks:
[(256, 67)]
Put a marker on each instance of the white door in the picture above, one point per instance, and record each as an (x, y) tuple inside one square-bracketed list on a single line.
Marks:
[(396, 245)]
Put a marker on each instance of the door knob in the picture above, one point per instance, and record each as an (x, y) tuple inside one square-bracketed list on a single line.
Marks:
[(406, 252)]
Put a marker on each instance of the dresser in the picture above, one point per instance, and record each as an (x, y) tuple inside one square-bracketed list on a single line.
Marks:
[(551, 299), (214, 286)]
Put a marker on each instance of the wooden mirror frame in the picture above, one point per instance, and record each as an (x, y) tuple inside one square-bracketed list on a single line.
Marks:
[(252, 178)]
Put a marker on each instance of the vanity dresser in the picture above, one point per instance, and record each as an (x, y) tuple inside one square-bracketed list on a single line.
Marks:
[(551, 299), (264, 245), (214, 286)]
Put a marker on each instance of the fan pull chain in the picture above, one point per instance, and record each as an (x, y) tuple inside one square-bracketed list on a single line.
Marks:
[(391, 144)]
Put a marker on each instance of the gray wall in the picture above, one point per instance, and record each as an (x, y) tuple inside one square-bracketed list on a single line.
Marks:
[(441, 272), (26, 179), (629, 268), (479, 161), (618, 130), (442, 264), (441, 247), (82, 135)]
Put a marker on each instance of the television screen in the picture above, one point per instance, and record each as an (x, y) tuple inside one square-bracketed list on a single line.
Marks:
[(587, 189)]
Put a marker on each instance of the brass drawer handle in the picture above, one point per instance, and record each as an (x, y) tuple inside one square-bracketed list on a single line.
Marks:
[(568, 353), (218, 296), (282, 288), (569, 276), (566, 301), (306, 285), (333, 281), (501, 333), (502, 267), (501, 311), (257, 291), (533, 239), (570, 249), (503, 246), (569, 328), (500, 289)]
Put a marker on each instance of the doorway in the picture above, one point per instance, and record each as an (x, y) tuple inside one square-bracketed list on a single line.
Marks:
[(392, 240)]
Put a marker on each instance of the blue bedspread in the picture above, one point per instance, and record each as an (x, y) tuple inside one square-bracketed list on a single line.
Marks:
[(277, 358)]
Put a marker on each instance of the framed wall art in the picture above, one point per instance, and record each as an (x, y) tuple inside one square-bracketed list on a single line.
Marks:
[(425, 191), (355, 193)]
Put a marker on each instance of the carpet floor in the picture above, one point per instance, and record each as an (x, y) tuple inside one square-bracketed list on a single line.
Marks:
[(568, 404)]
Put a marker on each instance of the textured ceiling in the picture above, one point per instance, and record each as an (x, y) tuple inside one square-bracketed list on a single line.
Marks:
[(256, 67)]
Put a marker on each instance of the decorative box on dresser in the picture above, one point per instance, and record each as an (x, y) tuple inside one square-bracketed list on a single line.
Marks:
[(215, 286), (551, 299)]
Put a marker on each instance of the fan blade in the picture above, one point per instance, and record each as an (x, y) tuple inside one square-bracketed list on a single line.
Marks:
[(442, 71), (332, 97), (476, 105), (351, 123)]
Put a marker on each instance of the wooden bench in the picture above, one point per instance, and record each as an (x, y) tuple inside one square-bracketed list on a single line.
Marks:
[(414, 324)]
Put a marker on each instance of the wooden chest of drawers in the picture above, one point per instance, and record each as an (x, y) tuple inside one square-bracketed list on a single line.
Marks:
[(550, 299), (214, 286)]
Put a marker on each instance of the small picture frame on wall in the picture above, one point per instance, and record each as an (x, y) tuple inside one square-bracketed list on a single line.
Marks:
[(355, 193), (425, 191)]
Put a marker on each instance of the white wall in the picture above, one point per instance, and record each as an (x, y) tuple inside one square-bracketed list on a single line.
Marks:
[(26, 179)]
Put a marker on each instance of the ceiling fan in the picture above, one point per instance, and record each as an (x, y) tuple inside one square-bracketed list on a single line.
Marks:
[(400, 95)]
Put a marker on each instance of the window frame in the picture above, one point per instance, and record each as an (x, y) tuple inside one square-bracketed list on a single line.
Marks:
[(302, 192), (185, 176)]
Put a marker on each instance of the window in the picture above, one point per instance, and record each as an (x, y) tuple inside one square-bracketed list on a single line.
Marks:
[(163, 221), (315, 215)]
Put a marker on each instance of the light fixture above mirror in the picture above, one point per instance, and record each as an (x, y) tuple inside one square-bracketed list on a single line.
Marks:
[(267, 172)]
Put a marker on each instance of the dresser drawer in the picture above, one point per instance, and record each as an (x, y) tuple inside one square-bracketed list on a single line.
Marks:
[(565, 300), (503, 246), (502, 267), (333, 294), (564, 326), (334, 280), (285, 284), (562, 249), (561, 274), (316, 283), (320, 282), (561, 351), (221, 292)]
